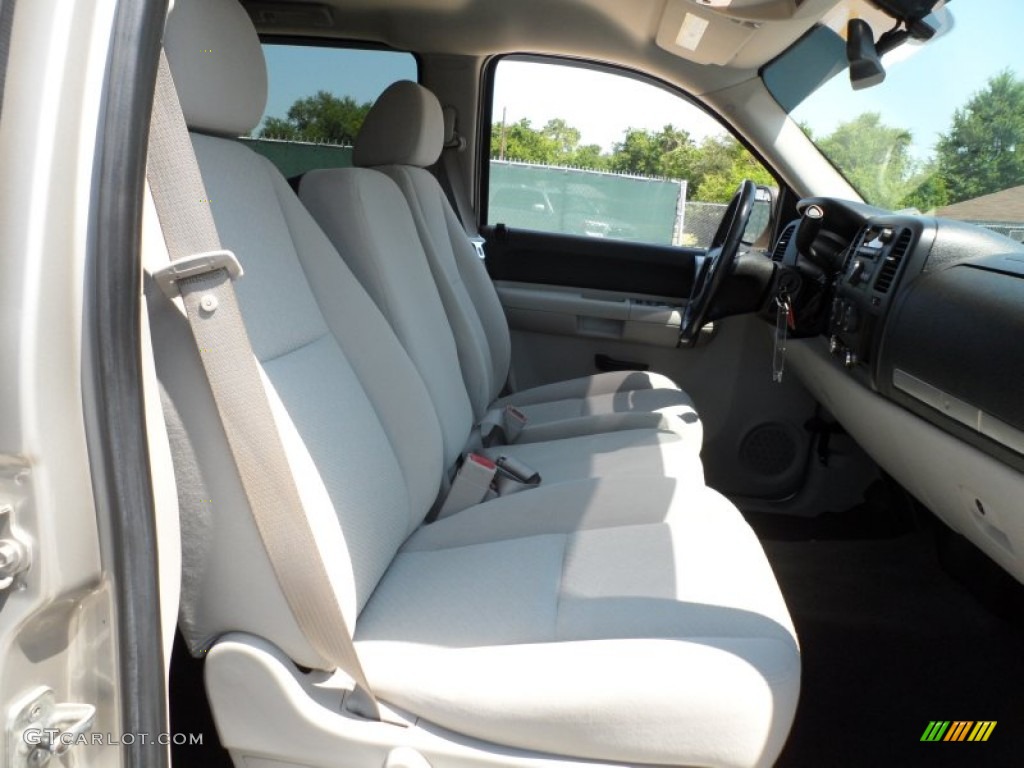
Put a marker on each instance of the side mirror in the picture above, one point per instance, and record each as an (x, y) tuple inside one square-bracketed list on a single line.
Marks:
[(759, 225)]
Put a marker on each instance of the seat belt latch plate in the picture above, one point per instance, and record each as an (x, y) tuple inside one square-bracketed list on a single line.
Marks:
[(478, 244), (193, 266), (514, 421), (517, 470), (472, 484)]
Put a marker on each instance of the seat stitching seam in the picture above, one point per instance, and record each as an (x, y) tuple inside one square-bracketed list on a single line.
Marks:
[(268, 169), (558, 592), (294, 349), (447, 282)]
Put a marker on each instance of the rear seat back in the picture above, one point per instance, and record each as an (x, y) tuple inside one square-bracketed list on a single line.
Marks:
[(357, 421)]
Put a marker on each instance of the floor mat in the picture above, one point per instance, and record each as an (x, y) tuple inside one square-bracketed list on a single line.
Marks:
[(890, 643)]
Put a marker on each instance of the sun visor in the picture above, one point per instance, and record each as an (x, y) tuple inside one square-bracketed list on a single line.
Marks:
[(800, 71)]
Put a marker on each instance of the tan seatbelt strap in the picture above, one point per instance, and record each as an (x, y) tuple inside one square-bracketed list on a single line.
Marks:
[(452, 172), (202, 272), (450, 161), (451, 179)]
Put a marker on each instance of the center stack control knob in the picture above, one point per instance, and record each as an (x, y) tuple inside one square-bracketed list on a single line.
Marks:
[(856, 272)]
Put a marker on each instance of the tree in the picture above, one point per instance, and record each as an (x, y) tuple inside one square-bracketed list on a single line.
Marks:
[(984, 149), (557, 143), (874, 157), (722, 163), (928, 189), (323, 118), (713, 168), (517, 141), (668, 153), (589, 156), (560, 138)]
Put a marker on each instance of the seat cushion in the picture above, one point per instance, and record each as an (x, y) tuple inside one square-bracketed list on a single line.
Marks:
[(480, 329), (636, 620), (621, 453), (604, 403), (358, 422), (477, 320), (600, 384), (368, 220), (470, 300)]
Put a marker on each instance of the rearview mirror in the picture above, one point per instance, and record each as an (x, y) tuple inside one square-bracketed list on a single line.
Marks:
[(866, 67)]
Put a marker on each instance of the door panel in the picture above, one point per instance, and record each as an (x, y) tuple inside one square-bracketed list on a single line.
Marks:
[(593, 314), (526, 256), (729, 379), (596, 223)]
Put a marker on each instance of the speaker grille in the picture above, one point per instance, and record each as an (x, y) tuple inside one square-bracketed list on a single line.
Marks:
[(769, 449)]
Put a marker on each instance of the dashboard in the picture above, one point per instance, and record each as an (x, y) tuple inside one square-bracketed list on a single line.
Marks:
[(927, 312), (909, 330)]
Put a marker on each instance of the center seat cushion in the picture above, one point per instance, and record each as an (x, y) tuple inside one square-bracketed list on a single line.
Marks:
[(632, 619), (626, 452), (604, 402)]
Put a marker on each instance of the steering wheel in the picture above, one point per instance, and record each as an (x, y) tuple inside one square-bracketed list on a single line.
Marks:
[(717, 263)]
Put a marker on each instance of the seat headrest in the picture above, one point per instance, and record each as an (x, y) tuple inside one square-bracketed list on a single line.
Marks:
[(218, 66), (404, 127)]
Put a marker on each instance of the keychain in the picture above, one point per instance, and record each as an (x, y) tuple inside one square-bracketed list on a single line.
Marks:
[(785, 320)]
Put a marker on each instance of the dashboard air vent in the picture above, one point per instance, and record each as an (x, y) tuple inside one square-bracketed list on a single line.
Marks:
[(891, 265), (780, 247)]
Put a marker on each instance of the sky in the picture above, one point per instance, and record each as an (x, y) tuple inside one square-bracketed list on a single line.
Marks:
[(601, 105), (920, 92)]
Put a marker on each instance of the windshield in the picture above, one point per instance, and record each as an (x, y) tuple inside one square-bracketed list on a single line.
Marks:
[(943, 133)]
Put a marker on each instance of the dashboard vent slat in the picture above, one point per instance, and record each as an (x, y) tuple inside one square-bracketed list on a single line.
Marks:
[(780, 247), (891, 265)]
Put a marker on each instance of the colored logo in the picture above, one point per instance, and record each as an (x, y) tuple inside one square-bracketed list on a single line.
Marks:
[(958, 730)]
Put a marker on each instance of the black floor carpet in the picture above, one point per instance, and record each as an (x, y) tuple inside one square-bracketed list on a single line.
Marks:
[(190, 713), (891, 641)]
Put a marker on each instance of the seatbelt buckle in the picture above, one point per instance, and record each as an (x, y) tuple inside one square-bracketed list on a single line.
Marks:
[(514, 476), (472, 485), (502, 426), (193, 266), (514, 469), (513, 421)]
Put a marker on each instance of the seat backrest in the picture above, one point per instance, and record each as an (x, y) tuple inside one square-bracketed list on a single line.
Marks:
[(357, 421), (401, 136), (368, 220)]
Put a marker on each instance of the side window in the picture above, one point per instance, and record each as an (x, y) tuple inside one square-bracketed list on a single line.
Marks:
[(588, 152), (317, 100)]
